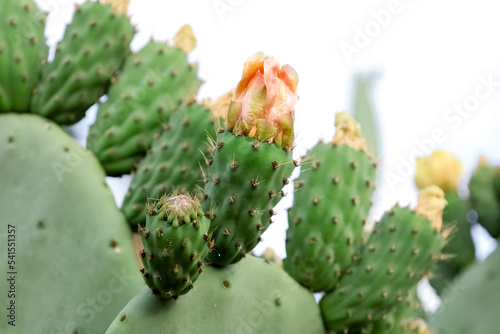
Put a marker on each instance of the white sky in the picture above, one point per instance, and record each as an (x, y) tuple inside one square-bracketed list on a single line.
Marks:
[(430, 55)]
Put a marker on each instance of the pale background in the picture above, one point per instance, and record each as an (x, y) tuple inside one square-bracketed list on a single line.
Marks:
[(429, 57)]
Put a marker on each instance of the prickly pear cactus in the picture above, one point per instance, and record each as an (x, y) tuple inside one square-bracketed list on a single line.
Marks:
[(22, 53), (402, 249), (252, 159), (153, 82), (175, 243), (484, 198), (471, 304), (443, 169), (176, 161), (93, 49), (252, 296), (331, 205), (73, 253)]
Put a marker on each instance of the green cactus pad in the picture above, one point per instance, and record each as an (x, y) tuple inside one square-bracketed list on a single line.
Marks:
[(93, 49), (174, 163), (402, 249), (252, 296), (22, 53), (244, 184), (331, 204), (485, 200), (459, 246), (470, 305), (175, 244), (154, 81), (74, 256)]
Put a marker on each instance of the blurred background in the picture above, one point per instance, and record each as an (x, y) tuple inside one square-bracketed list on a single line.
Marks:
[(427, 72)]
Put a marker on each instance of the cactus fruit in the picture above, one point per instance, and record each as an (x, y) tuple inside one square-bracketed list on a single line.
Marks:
[(443, 169), (252, 159), (484, 198), (175, 161), (22, 53), (153, 82), (74, 255), (330, 208), (93, 49), (252, 296), (175, 244), (402, 249), (470, 305)]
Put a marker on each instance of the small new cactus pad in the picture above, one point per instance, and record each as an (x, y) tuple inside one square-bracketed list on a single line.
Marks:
[(22, 53), (443, 169), (470, 305), (154, 81), (93, 49), (73, 252), (250, 297), (175, 163), (331, 204), (252, 159), (402, 249), (175, 243), (485, 199)]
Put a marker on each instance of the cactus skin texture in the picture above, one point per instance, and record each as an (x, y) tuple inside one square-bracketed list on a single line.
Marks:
[(175, 244), (174, 163), (154, 81), (252, 296), (460, 246), (400, 319), (74, 253), (470, 305), (401, 250), (244, 184), (485, 199), (93, 49), (22, 53), (331, 203)]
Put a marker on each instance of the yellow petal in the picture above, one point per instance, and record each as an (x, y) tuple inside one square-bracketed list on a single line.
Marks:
[(348, 132), (441, 168), (119, 6), (185, 39), (431, 204)]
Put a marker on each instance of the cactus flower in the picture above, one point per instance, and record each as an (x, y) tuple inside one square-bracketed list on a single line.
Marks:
[(441, 168), (431, 204), (264, 102), (348, 132)]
